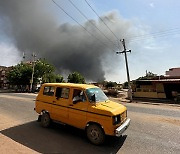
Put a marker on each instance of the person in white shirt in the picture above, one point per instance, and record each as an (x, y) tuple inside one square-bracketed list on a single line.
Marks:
[(77, 95)]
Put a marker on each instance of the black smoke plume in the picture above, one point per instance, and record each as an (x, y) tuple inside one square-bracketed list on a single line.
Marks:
[(33, 27)]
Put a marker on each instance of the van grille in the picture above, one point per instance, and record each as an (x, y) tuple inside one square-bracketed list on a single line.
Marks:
[(123, 116)]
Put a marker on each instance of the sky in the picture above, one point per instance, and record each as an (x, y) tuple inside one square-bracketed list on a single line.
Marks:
[(150, 28)]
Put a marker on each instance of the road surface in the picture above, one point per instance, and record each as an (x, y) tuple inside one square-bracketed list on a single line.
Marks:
[(154, 129)]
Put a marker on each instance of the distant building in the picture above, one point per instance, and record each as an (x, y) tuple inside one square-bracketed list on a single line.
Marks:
[(167, 86), (173, 72), (163, 88), (4, 84)]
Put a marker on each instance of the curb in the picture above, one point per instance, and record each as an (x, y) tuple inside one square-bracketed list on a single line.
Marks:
[(155, 103), (150, 102)]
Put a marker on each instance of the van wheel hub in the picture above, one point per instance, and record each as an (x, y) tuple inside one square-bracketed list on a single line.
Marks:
[(45, 120), (95, 134)]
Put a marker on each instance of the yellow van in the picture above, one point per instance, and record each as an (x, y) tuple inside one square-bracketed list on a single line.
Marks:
[(83, 106)]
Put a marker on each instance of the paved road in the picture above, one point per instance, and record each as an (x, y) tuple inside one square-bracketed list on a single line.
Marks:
[(153, 129)]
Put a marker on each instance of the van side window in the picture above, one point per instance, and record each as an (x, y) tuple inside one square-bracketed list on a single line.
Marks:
[(78, 95), (48, 90), (62, 92), (65, 93)]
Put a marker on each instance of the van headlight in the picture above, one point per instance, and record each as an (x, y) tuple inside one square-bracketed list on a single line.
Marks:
[(116, 119)]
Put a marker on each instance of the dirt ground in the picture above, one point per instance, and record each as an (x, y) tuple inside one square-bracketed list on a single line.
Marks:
[(7, 145)]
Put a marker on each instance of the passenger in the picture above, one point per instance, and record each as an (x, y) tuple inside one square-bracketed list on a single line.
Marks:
[(77, 95)]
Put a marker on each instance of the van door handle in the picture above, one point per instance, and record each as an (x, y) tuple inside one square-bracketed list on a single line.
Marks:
[(54, 101), (71, 105)]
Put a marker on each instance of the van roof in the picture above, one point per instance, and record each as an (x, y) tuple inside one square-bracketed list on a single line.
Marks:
[(74, 85)]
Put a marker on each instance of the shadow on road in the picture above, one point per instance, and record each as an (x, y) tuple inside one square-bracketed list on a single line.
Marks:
[(60, 139)]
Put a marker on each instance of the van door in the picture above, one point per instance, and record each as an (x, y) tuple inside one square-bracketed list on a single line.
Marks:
[(45, 99), (60, 104), (78, 109)]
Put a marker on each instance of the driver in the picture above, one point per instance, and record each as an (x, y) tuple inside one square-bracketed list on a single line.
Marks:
[(77, 95)]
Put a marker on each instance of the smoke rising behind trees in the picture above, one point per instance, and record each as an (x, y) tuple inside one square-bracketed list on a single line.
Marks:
[(32, 27)]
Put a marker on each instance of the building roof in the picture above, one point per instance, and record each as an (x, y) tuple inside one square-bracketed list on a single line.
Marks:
[(160, 80), (174, 68)]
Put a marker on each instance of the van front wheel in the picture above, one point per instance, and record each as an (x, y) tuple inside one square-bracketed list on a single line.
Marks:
[(45, 120), (95, 134)]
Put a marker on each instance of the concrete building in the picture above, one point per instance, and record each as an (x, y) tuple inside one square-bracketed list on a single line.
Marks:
[(173, 72), (167, 86), (3, 80), (163, 88)]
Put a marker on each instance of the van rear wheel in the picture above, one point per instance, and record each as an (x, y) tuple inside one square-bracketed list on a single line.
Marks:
[(45, 120), (95, 134)]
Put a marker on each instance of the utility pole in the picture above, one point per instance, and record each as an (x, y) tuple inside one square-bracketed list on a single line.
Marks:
[(24, 56), (33, 63), (127, 69)]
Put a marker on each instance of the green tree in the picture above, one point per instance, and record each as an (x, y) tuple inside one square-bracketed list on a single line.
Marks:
[(110, 84), (125, 85), (76, 77), (43, 70), (149, 75), (52, 78), (20, 74), (59, 78)]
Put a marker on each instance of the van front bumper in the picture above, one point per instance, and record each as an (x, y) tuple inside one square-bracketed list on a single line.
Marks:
[(122, 128)]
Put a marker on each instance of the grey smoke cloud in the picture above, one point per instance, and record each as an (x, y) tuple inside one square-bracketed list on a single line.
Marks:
[(34, 28)]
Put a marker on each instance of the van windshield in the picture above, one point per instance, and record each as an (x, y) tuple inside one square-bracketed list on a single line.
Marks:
[(99, 94)]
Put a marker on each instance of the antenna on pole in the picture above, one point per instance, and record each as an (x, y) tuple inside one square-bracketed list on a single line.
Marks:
[(127, 69)]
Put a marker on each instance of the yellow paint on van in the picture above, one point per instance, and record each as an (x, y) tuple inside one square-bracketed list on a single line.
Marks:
[(81, 114)]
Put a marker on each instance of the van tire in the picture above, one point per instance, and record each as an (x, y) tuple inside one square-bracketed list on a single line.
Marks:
[(45, 120), (95, 134)]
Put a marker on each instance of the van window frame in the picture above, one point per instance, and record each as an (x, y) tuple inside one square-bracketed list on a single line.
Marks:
[(50, 92), (82, 90), (61, 91)]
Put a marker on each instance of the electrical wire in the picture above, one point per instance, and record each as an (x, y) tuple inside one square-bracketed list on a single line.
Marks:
[(153, 36), (130, 39), (170, 31), (139, 37), (80, 24), (92, 23), (136, 38), (101, 20)]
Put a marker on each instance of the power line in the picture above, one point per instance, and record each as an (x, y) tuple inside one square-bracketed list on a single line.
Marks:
[(154, 34), (79, 24), (92, 23), (102, 20), (158, 32), (135, 38)]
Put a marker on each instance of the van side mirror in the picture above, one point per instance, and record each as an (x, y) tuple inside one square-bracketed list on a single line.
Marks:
[(93, 98)]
